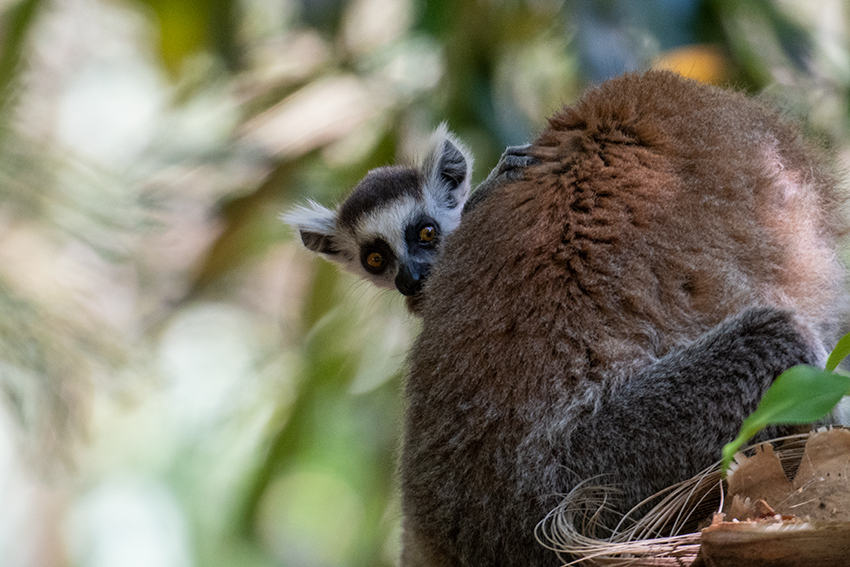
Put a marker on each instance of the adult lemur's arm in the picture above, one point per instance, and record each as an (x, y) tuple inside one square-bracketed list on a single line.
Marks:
[(697, 395)]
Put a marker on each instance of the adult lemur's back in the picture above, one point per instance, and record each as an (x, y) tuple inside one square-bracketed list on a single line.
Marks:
[(618, 312)]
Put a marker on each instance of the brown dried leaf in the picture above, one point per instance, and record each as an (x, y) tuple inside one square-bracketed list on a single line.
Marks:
[(821, 486), (822, 483), (759, 477)]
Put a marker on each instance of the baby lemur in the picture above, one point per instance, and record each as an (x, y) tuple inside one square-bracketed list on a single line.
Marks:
[(390, 228), (614, 314)]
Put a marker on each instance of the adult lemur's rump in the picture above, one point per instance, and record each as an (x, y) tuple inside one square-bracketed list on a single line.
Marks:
[(617, 312)]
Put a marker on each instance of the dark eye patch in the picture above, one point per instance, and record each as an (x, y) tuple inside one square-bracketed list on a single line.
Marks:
[(377, 246), (413, 230)]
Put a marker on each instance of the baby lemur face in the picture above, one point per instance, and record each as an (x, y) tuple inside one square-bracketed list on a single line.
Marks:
[(391, 226)]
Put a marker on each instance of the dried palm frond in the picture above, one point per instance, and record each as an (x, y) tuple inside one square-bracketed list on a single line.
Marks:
[(668, 534)]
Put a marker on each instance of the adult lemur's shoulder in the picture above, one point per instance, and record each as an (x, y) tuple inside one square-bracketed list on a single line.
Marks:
[(617, 312)]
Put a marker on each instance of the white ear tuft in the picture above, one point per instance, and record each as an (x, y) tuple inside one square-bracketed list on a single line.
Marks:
[(448, 167), (316, 225)]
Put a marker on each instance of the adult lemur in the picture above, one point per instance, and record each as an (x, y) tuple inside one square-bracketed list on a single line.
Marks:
[(616, 312)]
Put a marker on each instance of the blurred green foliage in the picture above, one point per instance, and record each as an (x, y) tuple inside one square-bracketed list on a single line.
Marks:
[(154, 305)]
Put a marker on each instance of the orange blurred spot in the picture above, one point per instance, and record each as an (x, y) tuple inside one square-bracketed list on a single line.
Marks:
[(703, 62)]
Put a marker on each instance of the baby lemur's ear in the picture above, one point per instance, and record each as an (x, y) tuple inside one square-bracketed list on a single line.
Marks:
[(316, 225), (447, 168)]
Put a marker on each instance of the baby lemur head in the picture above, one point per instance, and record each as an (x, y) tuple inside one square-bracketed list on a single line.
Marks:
[(391, 226)]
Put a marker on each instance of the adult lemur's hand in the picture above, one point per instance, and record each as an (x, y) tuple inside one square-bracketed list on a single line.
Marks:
[(511, 166)]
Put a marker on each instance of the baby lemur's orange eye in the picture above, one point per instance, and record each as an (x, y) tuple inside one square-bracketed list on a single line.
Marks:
[(375, 259), (427, 234)]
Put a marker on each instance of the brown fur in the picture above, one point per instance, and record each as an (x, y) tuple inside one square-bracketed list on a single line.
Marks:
[(660, 208)]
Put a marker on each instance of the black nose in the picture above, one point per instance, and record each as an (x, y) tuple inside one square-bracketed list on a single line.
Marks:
[(410, 278)]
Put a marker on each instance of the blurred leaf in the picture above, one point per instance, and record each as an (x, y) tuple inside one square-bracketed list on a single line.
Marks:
[(224, 28), (324, 15), (801, 394), (325, 380), (763, 39), (187, 27), (183, 29), (46, 362), (17, 22), (251, 226)]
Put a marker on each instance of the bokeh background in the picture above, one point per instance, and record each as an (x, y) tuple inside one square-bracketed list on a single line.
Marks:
[(180, 383)]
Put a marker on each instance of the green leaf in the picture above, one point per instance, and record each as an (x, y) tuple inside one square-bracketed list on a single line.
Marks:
[(15, 30), (801, 394), (182, 32), (839, 353)]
